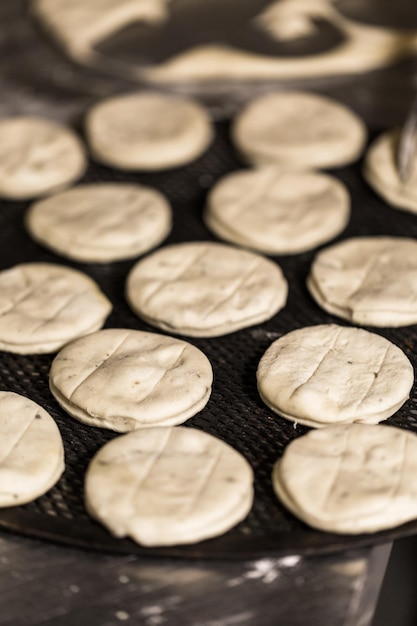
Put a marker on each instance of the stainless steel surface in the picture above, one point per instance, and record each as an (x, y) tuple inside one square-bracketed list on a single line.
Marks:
[(55, 586), (397, 602)]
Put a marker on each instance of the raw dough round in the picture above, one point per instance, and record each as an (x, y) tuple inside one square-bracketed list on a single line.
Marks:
[(278, 212), (101, 222), (125, 379), (327, 374), (43, 306), (381, 172), (298, 129), (37, 157), (205, 289), (368, 280), (32, 453), (351, 478), (148, 131), (167, 486)]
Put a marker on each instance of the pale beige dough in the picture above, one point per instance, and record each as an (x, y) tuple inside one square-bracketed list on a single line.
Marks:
[(43, 306), (32, 453), (381, 172), (319, 375), (351, 478), (125, 379), (80, 24), (37, 157), (298, 130), (368, 280), (101, 222), (366, 47), (167, 486), (277, 212), (205, 289), (147, 131)]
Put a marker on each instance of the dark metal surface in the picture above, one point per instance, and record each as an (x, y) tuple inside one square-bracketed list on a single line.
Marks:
[(45, 83)]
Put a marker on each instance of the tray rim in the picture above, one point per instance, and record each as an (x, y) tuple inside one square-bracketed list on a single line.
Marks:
[(91, 536)]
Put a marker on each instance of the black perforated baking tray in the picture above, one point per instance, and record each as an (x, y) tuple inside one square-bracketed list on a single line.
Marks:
[(234, 412)]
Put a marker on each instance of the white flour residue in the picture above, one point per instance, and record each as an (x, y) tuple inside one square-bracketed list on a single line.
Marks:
[(265, 570), (289, 561), (122, 615), (153, 614)]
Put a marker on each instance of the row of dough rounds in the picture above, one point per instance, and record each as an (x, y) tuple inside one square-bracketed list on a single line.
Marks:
[(266, 209), (210, 486), (195, 289), (207, 289), (171, 378), (153, 131), (302, 209), (145, 131), (41, 305)]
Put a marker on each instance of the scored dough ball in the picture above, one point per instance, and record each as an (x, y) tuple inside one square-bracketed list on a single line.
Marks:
[(43, 306), (32, 454), (125, 379), (37, 156), (327, 374), (368, 280), (300, 130), (168, 486), (276, 211), (148, 131), (351, 478), (381, 172), (205, 289), (101, 222)]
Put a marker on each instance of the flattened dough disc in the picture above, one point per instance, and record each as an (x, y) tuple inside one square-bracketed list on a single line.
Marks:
[(147, 131), (205, 289), (101, 222), (368, 280), (37, 157), (319, 375), (126, 379), (381, 172), (298, 129), (43, 306), (352, 478), (32, 453), (277, 212), (167, 486)]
